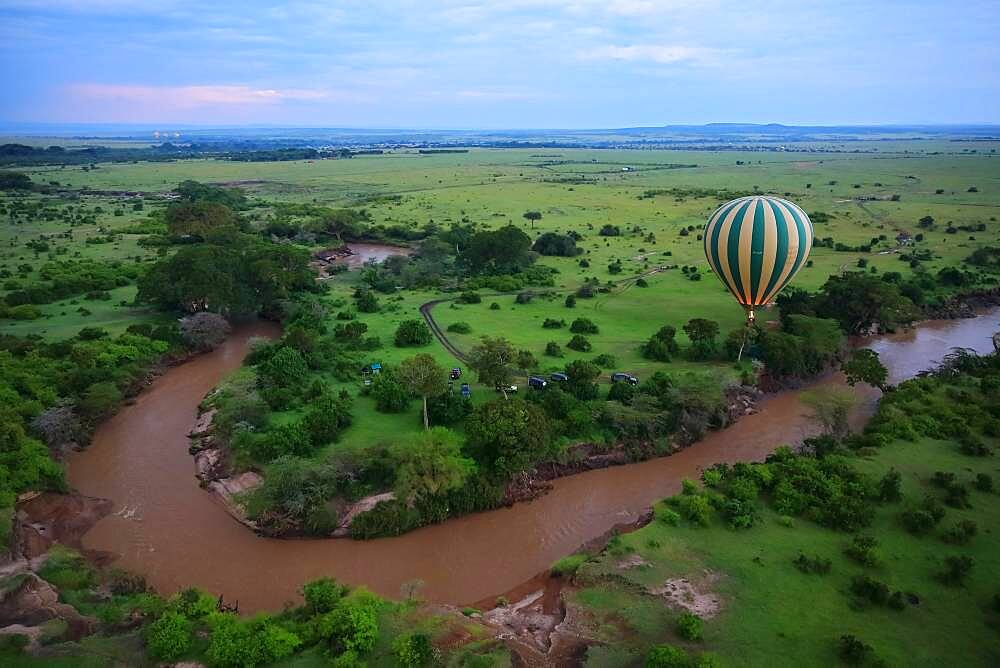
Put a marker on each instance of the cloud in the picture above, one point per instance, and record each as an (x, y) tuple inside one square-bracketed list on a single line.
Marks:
[(656, 53), (189, 97)]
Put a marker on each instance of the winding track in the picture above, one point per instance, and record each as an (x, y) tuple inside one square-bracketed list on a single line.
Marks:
[(426, 307)]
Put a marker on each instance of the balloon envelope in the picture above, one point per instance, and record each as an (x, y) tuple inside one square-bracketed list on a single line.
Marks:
[(756, 245)]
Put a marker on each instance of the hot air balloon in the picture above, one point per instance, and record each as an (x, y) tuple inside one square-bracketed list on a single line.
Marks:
[(756, 245)]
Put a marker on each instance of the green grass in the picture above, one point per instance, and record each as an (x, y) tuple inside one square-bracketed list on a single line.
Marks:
[(773, 614)]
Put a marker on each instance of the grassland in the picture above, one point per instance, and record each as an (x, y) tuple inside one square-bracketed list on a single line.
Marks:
[(774, 614), (575, 189)]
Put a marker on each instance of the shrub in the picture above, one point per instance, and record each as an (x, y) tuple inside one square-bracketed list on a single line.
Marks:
[(390, 394), (570, 301), (984, 482), (494, 306), (961, 533), (583, 326), (870, 589), (524, 297), (169, 637), (322, 595), (815, 565), (412, 333), (667, 516), (413, 650), (864, 550), (552, 323), (667, 656), (460, 327), (579, 343), (956, 570), (689, 626), (923, 518), (256, 641), (567, 566), (621, 392), (605, 361), (469, 297), (204, 330), (854, 652), (553, 349)]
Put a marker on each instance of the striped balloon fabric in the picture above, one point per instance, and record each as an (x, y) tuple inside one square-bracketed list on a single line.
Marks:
[(756, 245)]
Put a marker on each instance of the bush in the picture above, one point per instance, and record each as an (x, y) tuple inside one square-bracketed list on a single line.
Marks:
[(853, 651), (579, 343), (961, 533), (412, 333), (448, 409), (204, 330), (460, 327), (870, 589), (605, 361), (689, 626), (552, 323), (469, 297), (322, 595), (524, 297), (667, 656), (583, 326), (390, 394), (814, 565), (956, 570), (921, 519), (256, 641), (169, 637), (864, 550), (494, 306), (413, 650), (553, 349), (570, 301), (567, 566)]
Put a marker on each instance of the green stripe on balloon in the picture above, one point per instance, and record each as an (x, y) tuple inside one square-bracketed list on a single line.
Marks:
[(756, 251)]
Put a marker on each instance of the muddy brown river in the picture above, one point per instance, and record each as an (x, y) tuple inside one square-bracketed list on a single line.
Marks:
[(169, 529)]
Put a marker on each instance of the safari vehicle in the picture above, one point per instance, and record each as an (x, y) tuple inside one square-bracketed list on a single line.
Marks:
[(536, 382), (558, 377), (455, 374), (466, 390), (622, 377)]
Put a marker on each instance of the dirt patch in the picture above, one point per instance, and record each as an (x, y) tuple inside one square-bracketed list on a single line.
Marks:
[(59, 518), (700, 600), (630, 562)]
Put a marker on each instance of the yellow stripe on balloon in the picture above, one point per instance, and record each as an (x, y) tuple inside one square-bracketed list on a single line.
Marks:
[(770, 253), (793, 249), (727, 275), (746, 236)]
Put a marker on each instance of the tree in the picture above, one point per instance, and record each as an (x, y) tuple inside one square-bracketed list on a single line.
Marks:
[(412, 333), (526, 360), (327, 416), (555, 244), (662, 346), (501, 251), (582, 379), (532, 216), (702, 333), (508, 436), (197, 219), (389, 392), (491, 361), (169, 637), (429, 465), (858, 301), (864, 366), (423, 377), (284, 369), (204, 330)]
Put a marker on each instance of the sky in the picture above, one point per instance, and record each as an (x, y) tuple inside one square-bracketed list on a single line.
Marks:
[(504, 64)]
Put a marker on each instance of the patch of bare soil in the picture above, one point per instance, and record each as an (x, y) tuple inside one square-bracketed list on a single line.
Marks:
[(686, 595), (59, 518), (630, 562)]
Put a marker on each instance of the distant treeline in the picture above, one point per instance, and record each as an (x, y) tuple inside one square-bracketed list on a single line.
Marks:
[(23, 155), (444, 150)]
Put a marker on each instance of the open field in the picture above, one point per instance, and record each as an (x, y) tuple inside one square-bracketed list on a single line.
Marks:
[(771, 613)]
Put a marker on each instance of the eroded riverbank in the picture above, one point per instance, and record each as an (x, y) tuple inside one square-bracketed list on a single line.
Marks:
[(166, 527)]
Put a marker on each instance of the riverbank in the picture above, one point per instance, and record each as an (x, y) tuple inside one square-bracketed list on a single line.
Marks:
[(163, 526)]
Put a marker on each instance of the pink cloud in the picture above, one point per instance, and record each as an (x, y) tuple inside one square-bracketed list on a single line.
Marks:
[(192, 97)]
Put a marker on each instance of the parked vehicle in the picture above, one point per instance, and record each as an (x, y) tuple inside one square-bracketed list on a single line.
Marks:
[(466, 390), (536, 382), (456, 373), (622, 377), (558, 377)]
